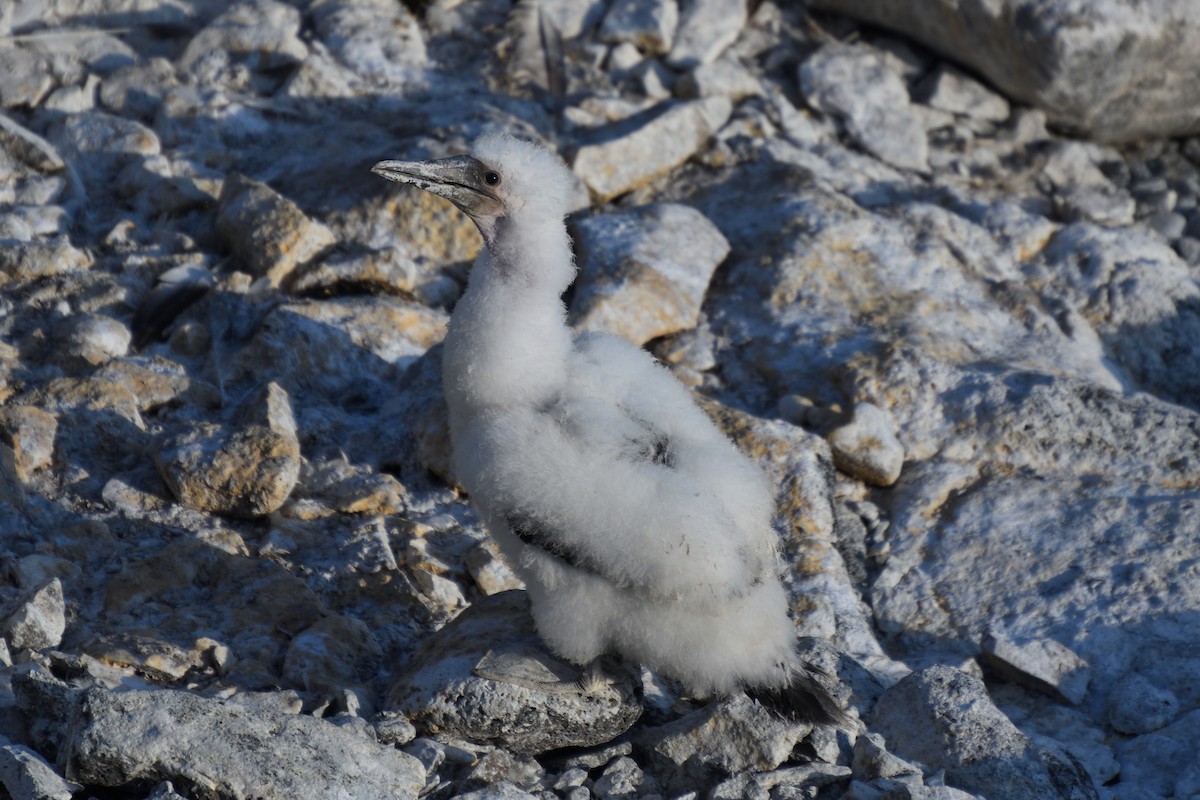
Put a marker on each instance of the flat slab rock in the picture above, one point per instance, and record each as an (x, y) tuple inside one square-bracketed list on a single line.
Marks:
[(1113, 71), (487, 677), (226, 751)]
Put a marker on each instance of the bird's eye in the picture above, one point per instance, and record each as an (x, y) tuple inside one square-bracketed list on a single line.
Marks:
[(491, 178)]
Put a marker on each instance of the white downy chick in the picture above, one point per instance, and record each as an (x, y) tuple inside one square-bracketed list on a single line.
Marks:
[(639, 529)]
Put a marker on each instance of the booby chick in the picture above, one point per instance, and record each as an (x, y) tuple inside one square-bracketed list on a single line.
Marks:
[(638, 528)]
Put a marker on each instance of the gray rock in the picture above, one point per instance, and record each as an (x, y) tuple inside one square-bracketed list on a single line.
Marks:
[(27, 78), (621, 780), (647, 24), (258, 35), (723, 738), (943, 719), (633, 154), (501, 791), (872, 760), (224, 750), (37, 619), (706, 29), (951, 90), (780, 784), (1096, 68), (246, 472), (724, 77), (866, 446), (268, 233), (1153, 763), (644, 272), (137, 90), (388, 270), (1101, 205), (380, 42), (853, 83), (165, 791), (1041, 664), (486, 677), (501, 766), (336, 652), (28, 260), (1138, 295), (30, 433), (27, 776), (1168, 224), (91, 340), (1138, 707), (100, 144), (74, 99)]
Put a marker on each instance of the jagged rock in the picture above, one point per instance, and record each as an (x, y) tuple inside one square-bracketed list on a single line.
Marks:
[(29, 260), (162, 660), (502, 766), (724, 77), (944, 719), (867, 448), (491, 572), (246, 472), (781, 783), (336, 652), (156, 382), (1139, 707), (265, 230), (353, 346), (386, 270), (137, 90), (380, 41), (723, 738), (225, 750), (622, 779), (872, 760), (90, 340), (27, 776), (637, 151), (28, 79), (501, 791), (706, 28), (644, 272), (259, 35), (333, 487), (855, 84), (1041, 664), (37, 619), (1111, 71), (30, 433), (647, 24), (487, 677), (100, 144), (951, 90), (1150, 763)]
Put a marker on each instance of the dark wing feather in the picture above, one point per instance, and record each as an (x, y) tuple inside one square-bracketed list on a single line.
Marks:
[(532, 533)]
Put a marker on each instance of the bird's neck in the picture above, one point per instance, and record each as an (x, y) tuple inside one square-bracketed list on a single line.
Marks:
[(508, 341)]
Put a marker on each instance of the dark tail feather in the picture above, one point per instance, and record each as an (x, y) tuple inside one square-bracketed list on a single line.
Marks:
[(805, 697)]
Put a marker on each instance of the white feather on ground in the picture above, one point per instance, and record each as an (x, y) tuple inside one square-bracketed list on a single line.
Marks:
[(638, 527)]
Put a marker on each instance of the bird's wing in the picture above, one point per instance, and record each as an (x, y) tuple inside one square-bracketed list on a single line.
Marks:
[(649, 393), (641, 525)]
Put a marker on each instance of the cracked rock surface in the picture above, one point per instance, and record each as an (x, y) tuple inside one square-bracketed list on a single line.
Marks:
[(936, 269)]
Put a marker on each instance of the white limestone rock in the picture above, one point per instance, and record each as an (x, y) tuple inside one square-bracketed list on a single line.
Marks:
[(643, 273)]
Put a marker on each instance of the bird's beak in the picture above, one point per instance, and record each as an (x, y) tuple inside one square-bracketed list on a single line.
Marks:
[(459, 179)]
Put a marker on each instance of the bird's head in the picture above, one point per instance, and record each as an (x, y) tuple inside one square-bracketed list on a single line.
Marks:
[(502, 178)]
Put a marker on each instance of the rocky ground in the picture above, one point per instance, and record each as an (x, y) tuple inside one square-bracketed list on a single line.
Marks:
[(965, 345)]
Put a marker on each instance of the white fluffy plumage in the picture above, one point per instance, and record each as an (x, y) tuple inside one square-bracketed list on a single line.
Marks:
[(639, 529)]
